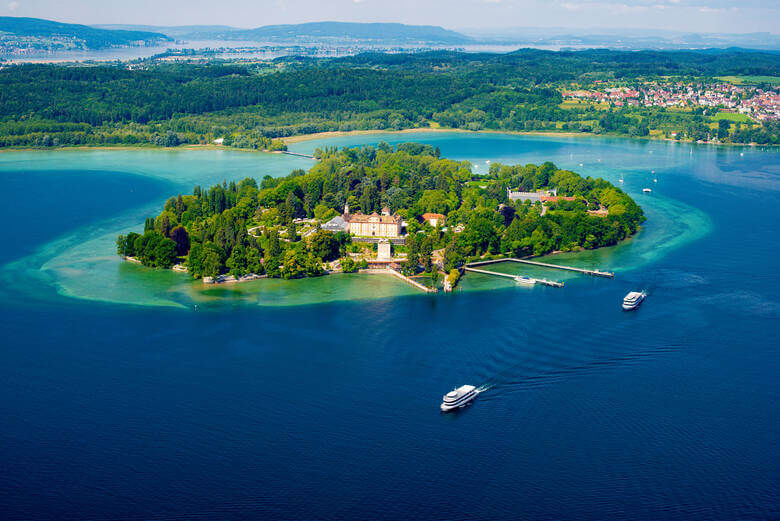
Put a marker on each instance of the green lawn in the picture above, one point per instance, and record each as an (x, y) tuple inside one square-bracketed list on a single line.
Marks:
[(751, 80), (732, 116)]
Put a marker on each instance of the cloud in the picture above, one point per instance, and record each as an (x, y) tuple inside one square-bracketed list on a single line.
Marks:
[(13, 6)]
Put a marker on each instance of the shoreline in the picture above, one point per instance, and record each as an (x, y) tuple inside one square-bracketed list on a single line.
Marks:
[(187, 147), (301, 138), (346, 133)]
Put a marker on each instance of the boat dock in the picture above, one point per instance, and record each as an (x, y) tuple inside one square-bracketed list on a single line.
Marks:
[(399, 275), (517, 278), (594, 273)]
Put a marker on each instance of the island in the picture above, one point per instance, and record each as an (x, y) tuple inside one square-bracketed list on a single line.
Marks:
[(402, 208)]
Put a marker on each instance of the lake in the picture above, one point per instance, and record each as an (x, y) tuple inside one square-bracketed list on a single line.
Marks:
[(129, 393)]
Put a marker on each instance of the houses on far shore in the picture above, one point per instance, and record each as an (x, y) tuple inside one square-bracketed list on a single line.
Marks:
[(757, 103)]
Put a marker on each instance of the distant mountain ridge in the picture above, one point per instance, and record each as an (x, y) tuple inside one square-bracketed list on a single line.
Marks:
[(92, 38), (365, 32), (174, 31), (614, 38)]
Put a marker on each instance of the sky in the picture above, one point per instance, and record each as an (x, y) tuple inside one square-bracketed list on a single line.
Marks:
[(702, 16)]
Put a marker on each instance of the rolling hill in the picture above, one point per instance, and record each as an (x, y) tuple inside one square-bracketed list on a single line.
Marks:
[(91, 37), (394, 33)]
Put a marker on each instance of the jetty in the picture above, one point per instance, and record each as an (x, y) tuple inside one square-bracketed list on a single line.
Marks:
[(594, 273), (517, 278), (399, 275)]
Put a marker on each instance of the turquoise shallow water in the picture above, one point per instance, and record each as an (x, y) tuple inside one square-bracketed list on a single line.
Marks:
[(80, 263), (318, 399)]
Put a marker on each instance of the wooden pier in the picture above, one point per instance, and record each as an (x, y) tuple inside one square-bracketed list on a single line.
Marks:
[(518, 278), (594, 273), (398, 274)]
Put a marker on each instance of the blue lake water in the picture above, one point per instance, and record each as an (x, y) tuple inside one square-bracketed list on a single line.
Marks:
[(319, 399)]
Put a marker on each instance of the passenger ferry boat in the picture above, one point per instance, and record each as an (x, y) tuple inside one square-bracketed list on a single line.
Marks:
[(647, 190), (458, 398), (633, 300)]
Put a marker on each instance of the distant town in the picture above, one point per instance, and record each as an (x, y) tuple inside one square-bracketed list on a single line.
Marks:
[(759, 104)]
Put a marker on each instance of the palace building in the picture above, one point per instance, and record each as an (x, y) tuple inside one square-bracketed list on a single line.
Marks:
[(373, 225)]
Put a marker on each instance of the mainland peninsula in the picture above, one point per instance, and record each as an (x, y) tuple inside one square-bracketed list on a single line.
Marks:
[(725, 96), (402, 208)]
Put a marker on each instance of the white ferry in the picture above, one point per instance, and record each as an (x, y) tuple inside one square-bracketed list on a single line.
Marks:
[(647, 190), (633, 300), (458, 398)]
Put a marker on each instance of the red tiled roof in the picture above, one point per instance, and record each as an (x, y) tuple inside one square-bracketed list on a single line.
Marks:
[(555, 198)]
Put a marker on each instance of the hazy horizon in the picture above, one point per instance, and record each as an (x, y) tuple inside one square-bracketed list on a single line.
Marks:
[(694, 16)]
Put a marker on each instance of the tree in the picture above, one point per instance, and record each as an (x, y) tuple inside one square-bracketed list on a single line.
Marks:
[(292, 233), (294, 265), (480, 236), (434, 275), (323, 244), (426, 252), (314, 266), (126, 244), (453, 257), (182, 239), (723, 129), (293, 207), (195, 260), (237, 262), (348, 265), (154, 250), (273, 245), (434, 201), (254, 263), (164, 253), (212, 265)]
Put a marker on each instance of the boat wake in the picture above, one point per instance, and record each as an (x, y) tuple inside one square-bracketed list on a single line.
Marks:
[(484, 387)]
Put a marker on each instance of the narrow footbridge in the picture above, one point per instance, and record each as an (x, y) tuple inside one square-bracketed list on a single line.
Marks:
[(595, 273), (297, 154)]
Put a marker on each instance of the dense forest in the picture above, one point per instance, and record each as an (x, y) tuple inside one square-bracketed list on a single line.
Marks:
[(245, 227), (249, 105)]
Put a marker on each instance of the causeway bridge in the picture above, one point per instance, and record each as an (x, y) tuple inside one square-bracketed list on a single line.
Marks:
[(297, 154)]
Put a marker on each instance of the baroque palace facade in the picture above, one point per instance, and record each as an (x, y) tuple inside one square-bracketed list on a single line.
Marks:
[(374, 225)]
